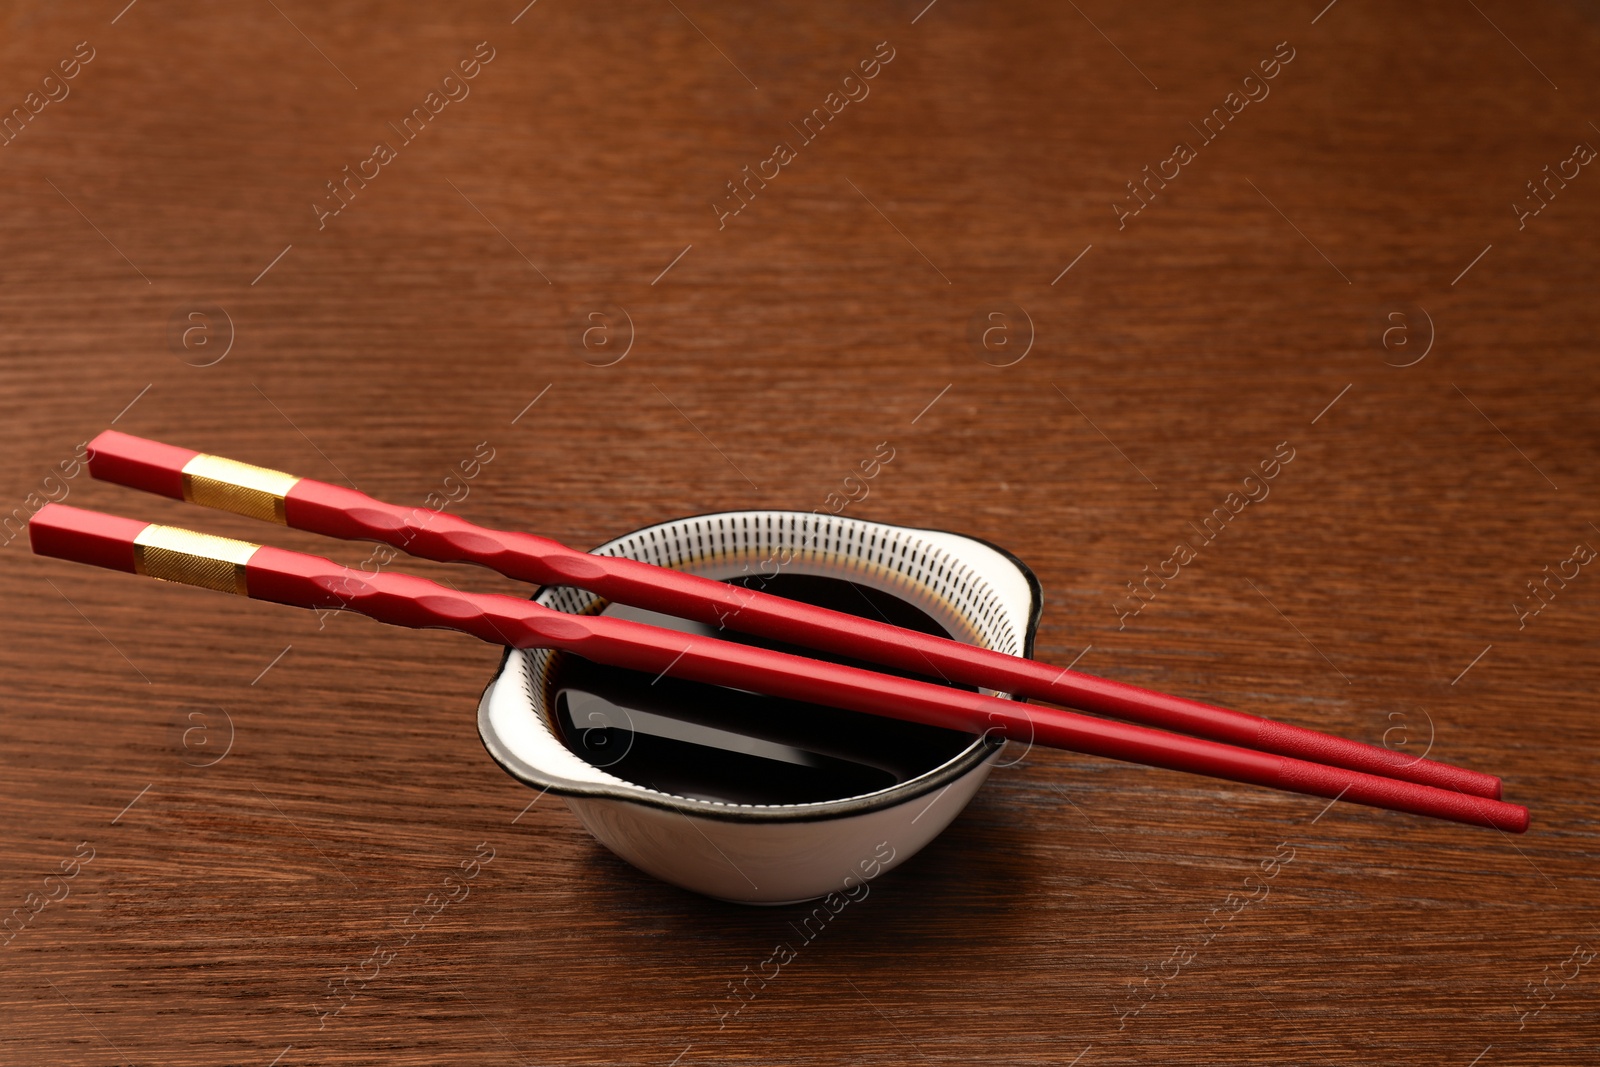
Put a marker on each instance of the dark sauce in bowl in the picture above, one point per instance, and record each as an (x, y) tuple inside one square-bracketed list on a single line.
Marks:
[(708, 742)]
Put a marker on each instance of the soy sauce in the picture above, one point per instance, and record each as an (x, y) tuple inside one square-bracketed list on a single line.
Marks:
[(714, 743)]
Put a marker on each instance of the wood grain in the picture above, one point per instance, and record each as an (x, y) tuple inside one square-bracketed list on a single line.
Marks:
[(1372, 593)]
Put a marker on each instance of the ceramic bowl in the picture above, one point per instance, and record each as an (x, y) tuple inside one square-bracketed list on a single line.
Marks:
[(774, 853)]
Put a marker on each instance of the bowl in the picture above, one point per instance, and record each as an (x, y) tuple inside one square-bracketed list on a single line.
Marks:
[(907, 781)]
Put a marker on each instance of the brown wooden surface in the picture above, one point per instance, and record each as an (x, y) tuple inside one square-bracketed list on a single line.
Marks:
[(828, 316)]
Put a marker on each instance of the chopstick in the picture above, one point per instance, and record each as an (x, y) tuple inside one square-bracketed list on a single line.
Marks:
[(301, 580), (318, 507)]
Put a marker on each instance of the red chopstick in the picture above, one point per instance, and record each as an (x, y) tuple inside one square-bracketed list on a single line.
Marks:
[(300, 580), (318, 507)]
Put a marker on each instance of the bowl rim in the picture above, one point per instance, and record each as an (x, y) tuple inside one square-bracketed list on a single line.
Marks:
[(982, 749)]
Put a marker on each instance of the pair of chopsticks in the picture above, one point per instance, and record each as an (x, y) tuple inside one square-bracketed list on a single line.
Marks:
[(1220, 743)]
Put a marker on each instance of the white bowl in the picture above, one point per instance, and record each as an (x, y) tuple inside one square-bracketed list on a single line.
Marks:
[(773, 853)]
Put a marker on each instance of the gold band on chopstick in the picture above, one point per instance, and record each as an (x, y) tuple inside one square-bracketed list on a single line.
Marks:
[(228, 485), (176, 555)]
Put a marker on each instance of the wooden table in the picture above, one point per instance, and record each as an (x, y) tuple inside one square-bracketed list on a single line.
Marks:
[(543, 263)]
